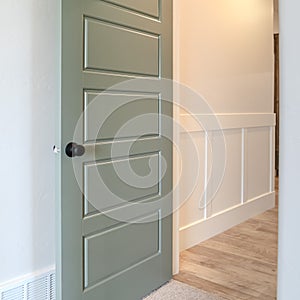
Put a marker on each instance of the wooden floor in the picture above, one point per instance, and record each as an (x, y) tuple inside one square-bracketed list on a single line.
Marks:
[(238, 264)]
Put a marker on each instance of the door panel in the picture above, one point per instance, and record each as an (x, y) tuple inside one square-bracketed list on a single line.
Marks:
[(105, 43), (125, 50), (148, 7), (102, 263), (101, 178), (128, 106)]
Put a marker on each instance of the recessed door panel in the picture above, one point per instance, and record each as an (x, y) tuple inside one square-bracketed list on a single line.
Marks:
[(115, 48), (109, 184), (115, 115), (147, 7), (117, 249)]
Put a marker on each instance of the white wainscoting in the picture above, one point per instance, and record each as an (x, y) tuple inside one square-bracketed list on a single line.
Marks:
[(247, 188)]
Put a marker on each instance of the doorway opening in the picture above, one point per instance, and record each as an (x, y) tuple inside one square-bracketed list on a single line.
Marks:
[(242, 261)]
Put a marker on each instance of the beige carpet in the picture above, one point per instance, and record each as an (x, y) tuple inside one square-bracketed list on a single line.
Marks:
[(175, 290)]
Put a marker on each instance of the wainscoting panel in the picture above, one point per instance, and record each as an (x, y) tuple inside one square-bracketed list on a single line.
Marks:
[(190, 211), (258, 161), (247, 187), (229, 191)]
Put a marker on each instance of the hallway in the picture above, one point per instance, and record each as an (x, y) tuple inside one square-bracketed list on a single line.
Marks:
[(238, 264)]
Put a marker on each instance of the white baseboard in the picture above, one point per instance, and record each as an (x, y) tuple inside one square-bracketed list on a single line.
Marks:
[(39, 285), (198, 232)]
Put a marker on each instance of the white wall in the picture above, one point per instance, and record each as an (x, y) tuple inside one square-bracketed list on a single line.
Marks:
[(226, 55), (289, 204), (29, 84)]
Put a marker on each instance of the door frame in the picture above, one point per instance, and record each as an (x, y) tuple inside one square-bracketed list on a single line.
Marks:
[(234, 215), (176, 135)]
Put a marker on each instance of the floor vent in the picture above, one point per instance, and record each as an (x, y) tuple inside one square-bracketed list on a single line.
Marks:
[(41, 287)]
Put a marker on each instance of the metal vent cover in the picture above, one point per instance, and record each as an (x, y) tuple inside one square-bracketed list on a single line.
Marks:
[(36, 287)]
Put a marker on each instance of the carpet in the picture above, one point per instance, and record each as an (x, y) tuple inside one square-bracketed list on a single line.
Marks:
[(175, 290)]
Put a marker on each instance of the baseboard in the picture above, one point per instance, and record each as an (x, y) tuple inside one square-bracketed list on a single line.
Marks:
[(36, 286), (198, 232)]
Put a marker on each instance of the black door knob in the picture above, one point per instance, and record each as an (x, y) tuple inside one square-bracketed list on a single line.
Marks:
[(73, 150)]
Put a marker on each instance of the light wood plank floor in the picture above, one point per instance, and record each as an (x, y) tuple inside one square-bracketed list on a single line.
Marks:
[(238, 264)]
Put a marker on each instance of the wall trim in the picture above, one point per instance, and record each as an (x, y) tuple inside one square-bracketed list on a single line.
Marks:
[(226, 121), (200, 231), (176, 133)]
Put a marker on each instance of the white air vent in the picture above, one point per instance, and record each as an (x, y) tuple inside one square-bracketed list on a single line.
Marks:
[(14, 294), (52, 291), (36, 287)]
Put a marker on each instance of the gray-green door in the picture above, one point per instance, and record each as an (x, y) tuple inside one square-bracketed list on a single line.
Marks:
[(114, 208)]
